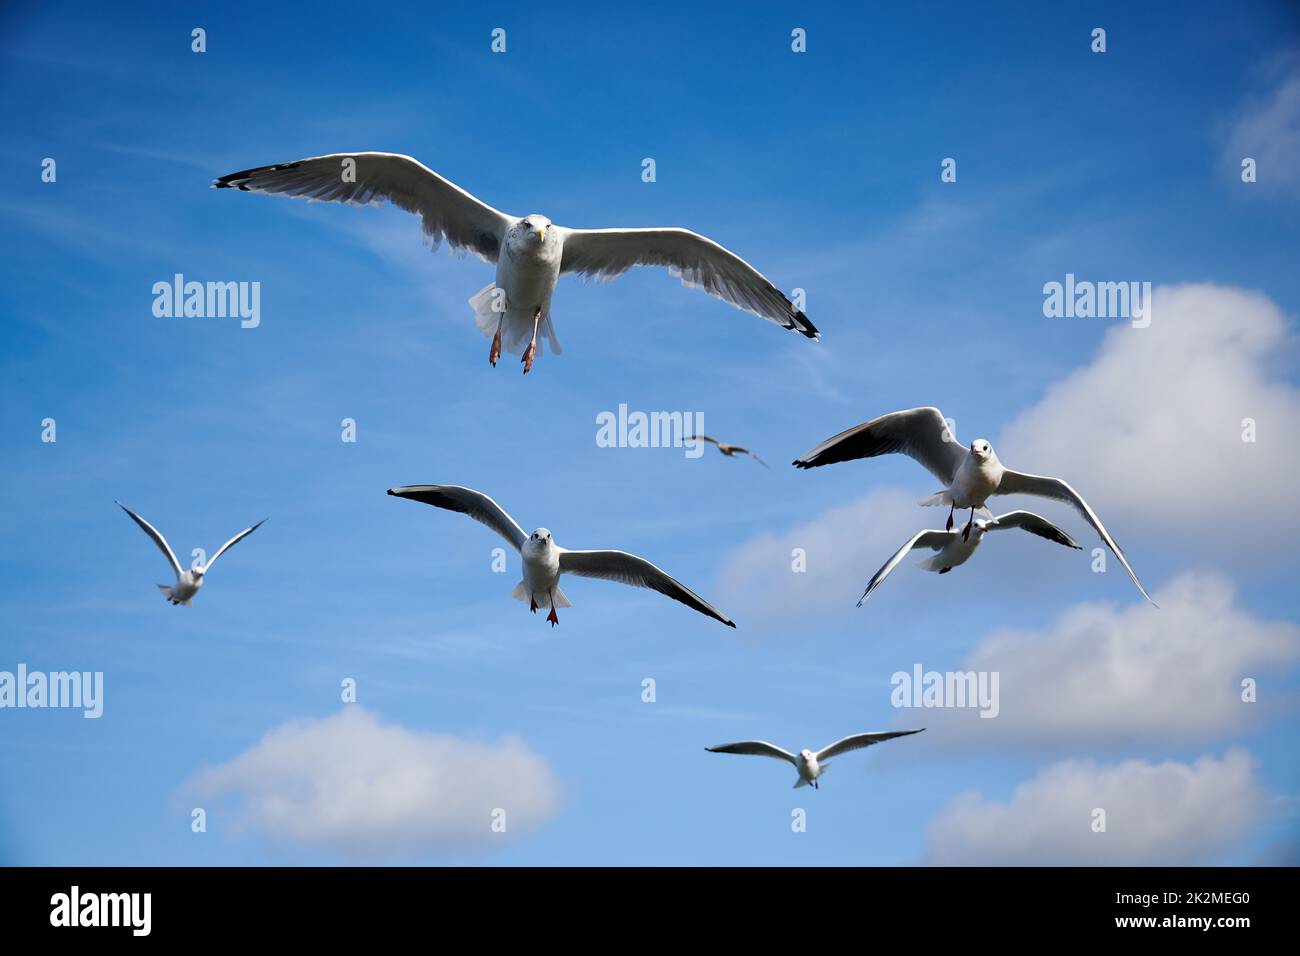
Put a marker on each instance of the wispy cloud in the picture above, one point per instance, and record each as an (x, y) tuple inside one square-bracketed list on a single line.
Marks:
[(1266, 128)]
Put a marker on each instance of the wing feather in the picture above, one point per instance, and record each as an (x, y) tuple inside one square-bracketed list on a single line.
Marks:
[(698, 261), (231, 543), (1034, 524), (754, 748), (858, 741), (445, 210), (466, 501), (157, 537), (934, 540), (638, 572), (919, 433), (1019, 483)]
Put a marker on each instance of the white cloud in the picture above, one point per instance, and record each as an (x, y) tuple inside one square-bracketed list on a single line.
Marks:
[(1150, 430), (1267, 129), (1155, 814), (368, 790), (1100, 674), (843, 547)]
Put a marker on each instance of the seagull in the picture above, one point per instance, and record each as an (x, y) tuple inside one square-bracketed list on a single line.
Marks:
[(545, 561), (970, 477), (728, 450), (954, 549), (187, 582), (530, 253), (810, 765)]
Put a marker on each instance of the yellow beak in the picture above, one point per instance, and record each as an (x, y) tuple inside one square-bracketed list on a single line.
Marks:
[(541, 233)]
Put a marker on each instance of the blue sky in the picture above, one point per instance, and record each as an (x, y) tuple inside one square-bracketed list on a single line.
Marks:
[(822, 169)]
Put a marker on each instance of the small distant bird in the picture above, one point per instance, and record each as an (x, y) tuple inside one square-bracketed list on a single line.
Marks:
[(728, 450), (970, 477), (810, 765), (544, 561), (187, 582), (530, 253), (954, 549)]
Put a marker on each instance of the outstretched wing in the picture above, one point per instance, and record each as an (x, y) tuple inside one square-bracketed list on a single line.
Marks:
[(934, 540), (858, 741), (467, 501), (754, 748), (698, 261), (1019, 483), (445, 210), (1034, 524), (158, 539), (920, 433), (745, 451), (638, 572), (233, 541)]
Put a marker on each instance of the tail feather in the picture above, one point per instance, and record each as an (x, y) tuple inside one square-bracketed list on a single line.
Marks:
[(801, 782), (516, 324), (520, 593), (938, 498)]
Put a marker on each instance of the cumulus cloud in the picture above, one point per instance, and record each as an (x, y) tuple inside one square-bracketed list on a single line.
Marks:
[(841, 548), (1267, 129), (1100, 674), (367, 790), (1150, 430), (1155, 814)]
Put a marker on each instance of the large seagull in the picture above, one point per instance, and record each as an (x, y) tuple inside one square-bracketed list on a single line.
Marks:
[(530, 253), (970, 476), (545, 561)]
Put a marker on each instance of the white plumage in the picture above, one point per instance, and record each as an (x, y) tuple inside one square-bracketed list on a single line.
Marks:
[(544, 561), (530, 252), (970, 476), (810, 764)]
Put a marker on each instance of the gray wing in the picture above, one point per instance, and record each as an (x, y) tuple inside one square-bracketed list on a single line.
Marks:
[(754, 748), (934, 540), (858, 741), (746, 451), (446, 210), (467, 501), (708, 438), (698, 261), (920, 433), (638, 572), (233, 541), (1019, 483), (1034, 524), (158, 539)]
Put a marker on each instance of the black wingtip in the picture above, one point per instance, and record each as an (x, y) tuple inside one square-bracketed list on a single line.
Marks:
[(801, 464), (730, 624), (804, 327)]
